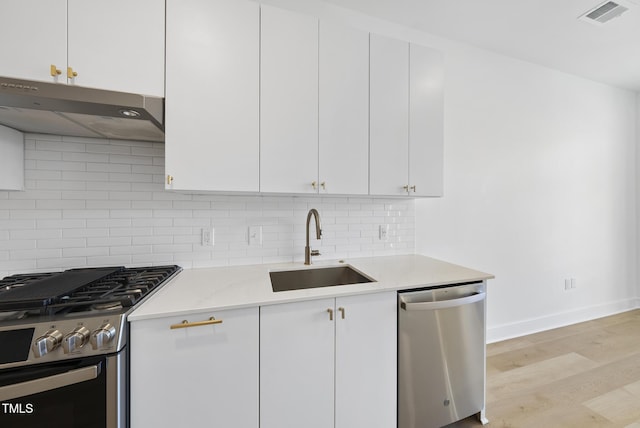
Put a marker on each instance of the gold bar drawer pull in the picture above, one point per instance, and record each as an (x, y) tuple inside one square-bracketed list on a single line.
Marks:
[(186, 324)]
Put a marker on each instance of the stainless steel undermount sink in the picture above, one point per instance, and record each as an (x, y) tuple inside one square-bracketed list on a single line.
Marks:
[(299, 279)]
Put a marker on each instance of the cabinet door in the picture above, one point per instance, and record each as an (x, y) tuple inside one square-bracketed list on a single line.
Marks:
[(212, 107), (34, 37), (117, 45), (195, 377), (389, 140), (344, 110), (296, 365), (12, 159), (426, 122), (366, 362), (288, 102)]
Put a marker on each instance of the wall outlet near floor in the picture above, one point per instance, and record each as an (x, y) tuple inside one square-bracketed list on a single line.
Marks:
[(570, 284), (206, 237), (255, 236), (383, 232)]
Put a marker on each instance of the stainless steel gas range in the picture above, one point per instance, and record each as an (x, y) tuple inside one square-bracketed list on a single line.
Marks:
[(63, 345)]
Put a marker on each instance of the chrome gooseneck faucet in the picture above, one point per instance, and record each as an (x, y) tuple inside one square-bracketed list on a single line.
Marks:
[(307, 251)]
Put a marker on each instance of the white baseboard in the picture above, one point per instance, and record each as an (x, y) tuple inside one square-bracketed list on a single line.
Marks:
[(535, 325)]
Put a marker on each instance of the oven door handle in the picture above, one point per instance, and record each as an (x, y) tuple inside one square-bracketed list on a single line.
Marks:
[(36, 386)]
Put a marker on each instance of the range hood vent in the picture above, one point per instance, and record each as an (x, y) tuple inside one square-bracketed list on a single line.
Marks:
[(53, 108), (604, 12)]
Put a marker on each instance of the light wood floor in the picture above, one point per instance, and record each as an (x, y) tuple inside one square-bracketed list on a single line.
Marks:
[(583, 375)]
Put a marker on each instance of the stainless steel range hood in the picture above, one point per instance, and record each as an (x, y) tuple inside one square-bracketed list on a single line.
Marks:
[(53, 108)]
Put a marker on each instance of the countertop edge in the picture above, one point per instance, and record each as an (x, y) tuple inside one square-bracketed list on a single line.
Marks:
[(159, 305)]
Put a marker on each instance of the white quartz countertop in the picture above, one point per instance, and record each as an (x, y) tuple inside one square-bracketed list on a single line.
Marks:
[(195, 291)]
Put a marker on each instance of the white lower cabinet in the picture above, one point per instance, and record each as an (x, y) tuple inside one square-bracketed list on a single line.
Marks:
[(199, 376), (329, 363)]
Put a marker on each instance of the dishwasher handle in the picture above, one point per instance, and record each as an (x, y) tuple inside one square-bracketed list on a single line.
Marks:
[(443, 304)]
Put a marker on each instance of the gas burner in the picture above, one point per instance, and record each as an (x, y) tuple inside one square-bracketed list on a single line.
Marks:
[(107, 306), (12, 315), (77, 291)]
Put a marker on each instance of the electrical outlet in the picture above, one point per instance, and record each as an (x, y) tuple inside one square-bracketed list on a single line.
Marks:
[(570, 284), (255, 236), (206, 237), (383, 232)]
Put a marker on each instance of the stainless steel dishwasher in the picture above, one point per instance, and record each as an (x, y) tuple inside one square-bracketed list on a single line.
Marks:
[(441, 355)]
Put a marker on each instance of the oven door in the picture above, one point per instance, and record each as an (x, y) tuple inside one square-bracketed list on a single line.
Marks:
[(73, 393)]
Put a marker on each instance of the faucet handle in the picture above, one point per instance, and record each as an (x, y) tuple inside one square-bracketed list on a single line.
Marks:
[(315, 252)]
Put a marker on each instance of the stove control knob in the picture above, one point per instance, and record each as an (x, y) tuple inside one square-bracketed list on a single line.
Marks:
[(47, 343), (102, 336), (75, 340)]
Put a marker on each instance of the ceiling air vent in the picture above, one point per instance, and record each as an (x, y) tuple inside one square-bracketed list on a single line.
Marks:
[(604, 12)]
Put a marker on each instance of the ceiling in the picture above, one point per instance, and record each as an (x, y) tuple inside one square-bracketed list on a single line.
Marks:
[(545, 32)]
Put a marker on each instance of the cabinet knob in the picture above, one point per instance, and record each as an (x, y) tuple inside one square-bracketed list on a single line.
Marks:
[(55, 71), (70, 73), (406, 188), (314, 185), (413, 188), (169, 179), (330, 314), (323, 185), (341, 312)]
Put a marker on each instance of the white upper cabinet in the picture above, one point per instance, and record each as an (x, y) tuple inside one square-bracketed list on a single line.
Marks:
[(288, 102), (344, 110), (212, 105), (116, 45), (406, 143), (12, 159), (426, 121), (389, 138), (34, 35)]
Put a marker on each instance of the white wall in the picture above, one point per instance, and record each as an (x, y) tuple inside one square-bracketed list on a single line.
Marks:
[(638, 198), (539, 183), (90, 202), (539, 187)]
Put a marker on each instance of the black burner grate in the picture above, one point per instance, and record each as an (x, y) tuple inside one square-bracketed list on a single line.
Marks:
[(79, 290)]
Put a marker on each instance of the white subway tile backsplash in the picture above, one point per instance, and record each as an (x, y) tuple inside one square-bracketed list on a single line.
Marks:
[(64, 243), (85, 213), (17, 244), (92, 202), (108, 148), (146, 240), (59, 204), (85, 233), (37, 254), (85, 157), (111, 241), (16, 224), (109, 260), (62, 224), (85, 176), (18, 204), (109, 186), (35, 234), (60, 165), (85, 252)]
